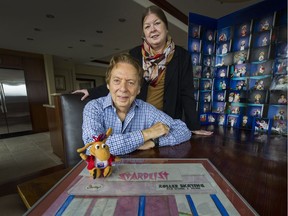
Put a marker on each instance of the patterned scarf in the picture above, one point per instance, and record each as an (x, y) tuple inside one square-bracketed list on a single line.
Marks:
[(154, 65)]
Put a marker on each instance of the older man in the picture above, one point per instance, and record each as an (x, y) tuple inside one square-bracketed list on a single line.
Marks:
[(135, 123)]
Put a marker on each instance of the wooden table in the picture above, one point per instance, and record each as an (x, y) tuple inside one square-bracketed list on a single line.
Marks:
[(57, 198), (256, 166), (31, 191)]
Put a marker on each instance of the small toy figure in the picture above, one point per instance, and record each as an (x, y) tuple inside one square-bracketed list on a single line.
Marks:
[(209, 50), (210, 37), (244, 121), (224, 48), (100, 160), (237, 72), (261, 69), (211, 118), (261, 125), (261, 56), (208, 62), (231, 121), (282, 99), (281, 127), (281, 67), (242, 58), (222, 73), (242, 71), (195, 47), (257, 98), (236, 98), (208, 73), (207, 85), (194, 61), (223, 37), (220, 97), (265, 25), (264, 41), (240, 85), (223, 86), (207, 97), (242, 45), (243, 30), (280, 115), (195, 33), (231, 97), (221, 120), (259, 85), (235, 110), (256, 113)]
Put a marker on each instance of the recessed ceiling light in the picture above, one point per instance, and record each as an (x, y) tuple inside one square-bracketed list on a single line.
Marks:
[(50, 16), (37, 29), (122, 20), (98, 45)]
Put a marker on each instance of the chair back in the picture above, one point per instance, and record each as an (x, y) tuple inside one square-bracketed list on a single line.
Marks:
[(72, 118)]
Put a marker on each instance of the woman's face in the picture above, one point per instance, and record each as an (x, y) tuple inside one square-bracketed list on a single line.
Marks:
[(124, 85), (155, 32)]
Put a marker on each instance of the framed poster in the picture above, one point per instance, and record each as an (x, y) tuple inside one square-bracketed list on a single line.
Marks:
[(85, 83), (60, 83)]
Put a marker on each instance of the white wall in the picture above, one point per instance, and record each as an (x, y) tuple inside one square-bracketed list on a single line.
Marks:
[(69, 75)]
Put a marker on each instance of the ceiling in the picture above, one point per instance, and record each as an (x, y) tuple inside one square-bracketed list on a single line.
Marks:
[(91, 30)]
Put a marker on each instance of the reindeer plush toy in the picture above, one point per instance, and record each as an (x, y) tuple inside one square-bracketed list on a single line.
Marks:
[(100, 161)]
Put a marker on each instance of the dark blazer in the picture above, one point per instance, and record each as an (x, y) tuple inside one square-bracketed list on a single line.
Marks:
[(178, 101)]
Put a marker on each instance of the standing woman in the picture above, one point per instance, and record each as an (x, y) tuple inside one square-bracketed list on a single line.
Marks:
[(168, 75)]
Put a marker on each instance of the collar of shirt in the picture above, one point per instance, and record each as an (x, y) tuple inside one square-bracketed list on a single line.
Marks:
[(108, 102)]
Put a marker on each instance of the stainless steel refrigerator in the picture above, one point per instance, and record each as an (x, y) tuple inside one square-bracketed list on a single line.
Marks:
[(14, 106)]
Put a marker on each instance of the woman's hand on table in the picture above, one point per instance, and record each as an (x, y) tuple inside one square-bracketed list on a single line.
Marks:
[(202, 132)]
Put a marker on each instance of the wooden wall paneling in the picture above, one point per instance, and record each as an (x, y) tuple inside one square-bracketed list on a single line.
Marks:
[(9, 61), (54, 116), (37, 92)]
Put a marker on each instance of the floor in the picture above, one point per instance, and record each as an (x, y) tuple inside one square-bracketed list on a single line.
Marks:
[(20, 156)]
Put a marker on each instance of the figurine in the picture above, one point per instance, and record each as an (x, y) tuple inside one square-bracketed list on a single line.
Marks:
[(282, 99), (209, 50), (210, 37), (100, 161), (261, 56), (224, 48), (242, 58), (261, 69), (195, 47), (257, 98), (244, 121), (194, 61), (243, 30), (220, 97), (264, 41), (223, 37), (242, 45), (236, 98), (265, 25), (222, 73), (231, 97), (259, 85)]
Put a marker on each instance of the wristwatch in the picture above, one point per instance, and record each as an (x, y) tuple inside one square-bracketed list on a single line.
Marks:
[(156, 142)]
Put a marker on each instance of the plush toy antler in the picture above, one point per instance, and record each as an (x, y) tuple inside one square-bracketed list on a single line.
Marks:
[(100, 160)]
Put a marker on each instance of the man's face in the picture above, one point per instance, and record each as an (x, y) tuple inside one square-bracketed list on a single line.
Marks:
[(124, 86)]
